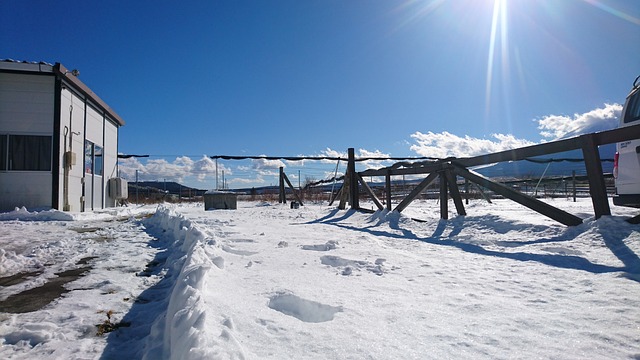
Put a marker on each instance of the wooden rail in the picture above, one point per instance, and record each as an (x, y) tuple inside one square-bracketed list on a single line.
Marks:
[(447, 170)]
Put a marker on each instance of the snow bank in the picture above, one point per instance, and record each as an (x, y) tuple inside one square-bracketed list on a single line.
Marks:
[(22, 214), (181, 332), (269, 282)]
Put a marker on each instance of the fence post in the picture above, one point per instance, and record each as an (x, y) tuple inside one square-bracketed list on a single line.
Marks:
[(573, 181), (282, 199), (466, 191), (353, 183), (444, 197), (597, 187), (344, 192), (453, 190), (387, 180)]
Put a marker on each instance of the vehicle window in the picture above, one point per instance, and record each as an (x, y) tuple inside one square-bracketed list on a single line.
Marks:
[(633, 108)]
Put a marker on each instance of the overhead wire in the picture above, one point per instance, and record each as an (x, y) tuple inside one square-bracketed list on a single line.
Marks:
[(405, 162)]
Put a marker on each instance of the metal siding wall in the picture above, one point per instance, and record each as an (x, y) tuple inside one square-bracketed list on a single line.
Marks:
[(31, 189), (110, 159), (93, 184), (94, 126), (97, 192), (26, 107), (26, 103), (75, 143)]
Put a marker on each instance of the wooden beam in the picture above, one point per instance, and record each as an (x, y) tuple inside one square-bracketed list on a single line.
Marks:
[(293, 190), (387, 180), (282, 195), (335, 195), (455, 193), (444, 197), (415, 192), (533, 204), (344, 192), (617, 135), (600, 138), (482, 193), (597, 187), (354, 191), (508, 155), (466, 191), (370, 192)]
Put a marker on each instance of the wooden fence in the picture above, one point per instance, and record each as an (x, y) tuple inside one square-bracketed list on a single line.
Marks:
[(447, 170)]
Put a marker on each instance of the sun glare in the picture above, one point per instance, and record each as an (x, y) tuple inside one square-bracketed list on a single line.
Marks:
[(614, 12), (418, 9), (498, 31)]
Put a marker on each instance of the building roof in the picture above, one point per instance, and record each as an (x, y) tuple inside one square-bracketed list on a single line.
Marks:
[(66, 75)]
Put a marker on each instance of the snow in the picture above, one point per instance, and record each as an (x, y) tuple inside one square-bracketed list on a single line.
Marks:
[(269, 282)]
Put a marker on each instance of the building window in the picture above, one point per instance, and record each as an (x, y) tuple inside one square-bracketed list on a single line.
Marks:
[(29, 152), (88, 157), (97, 163), (3, 152), (92, 158)]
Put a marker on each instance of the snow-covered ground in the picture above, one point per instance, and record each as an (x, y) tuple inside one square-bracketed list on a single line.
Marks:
[(269, 282)]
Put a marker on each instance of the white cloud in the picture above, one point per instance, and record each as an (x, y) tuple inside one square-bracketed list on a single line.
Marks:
[(178, 170), (328, 152), (267, 167), (244, 181), (343, 155), (362, 153), (445, 144), (553, 127), (206, 167), (294, 163)]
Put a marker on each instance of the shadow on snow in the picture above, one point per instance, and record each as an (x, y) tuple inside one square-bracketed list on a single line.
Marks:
[(129, 342), (612, 239)]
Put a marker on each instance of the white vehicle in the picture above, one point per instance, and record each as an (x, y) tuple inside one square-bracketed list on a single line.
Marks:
[(626, 168)]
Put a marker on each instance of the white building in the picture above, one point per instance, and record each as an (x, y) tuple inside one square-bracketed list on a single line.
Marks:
[(58, 140)]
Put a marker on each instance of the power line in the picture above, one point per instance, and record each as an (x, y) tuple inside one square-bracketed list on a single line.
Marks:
[(332, 158)]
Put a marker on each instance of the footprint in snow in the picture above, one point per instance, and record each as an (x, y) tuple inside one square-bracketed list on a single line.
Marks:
[(302, 309), (234, 251), (348, 266), (329, 245)]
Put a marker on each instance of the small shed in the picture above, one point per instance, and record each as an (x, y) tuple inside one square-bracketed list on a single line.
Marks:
[(58, 140), (214, 199)]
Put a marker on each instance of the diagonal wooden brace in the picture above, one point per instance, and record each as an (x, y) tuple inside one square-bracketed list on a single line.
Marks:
[(533, 204)]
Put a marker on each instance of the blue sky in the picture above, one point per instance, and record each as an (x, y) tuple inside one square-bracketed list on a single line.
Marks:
[(287, 78)]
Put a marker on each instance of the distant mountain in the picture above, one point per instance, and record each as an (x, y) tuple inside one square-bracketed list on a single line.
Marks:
[(524, 168), (169, 186)]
